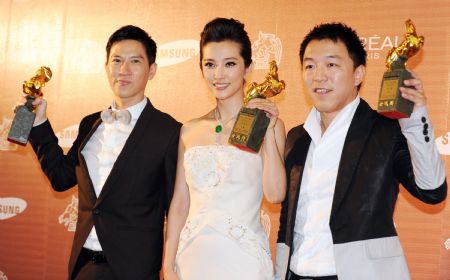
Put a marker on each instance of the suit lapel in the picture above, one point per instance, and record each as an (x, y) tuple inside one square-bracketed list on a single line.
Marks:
[(128, 148), (295, 162), (357, 135), (82, 161)]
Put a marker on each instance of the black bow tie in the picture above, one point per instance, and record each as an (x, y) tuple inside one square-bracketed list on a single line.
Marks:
[(122, 116)]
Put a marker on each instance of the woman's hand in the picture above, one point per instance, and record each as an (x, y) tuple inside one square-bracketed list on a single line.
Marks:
[(267, 106)]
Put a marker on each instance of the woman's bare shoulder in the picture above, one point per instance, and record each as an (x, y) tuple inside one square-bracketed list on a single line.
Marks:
[(199, 122)]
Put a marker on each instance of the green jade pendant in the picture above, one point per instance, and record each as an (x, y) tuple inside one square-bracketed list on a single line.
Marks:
[(218, 128)]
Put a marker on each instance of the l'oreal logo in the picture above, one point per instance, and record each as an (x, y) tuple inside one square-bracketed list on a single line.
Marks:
[(11, 207), (176, 52)]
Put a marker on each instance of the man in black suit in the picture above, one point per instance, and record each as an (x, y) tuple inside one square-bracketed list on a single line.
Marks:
[(344, 166), (123, 161)]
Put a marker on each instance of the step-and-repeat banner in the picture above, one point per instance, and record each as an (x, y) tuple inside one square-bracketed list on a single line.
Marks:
[(37, 224)]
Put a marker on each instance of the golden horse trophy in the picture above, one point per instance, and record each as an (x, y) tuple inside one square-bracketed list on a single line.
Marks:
[(391, 104), (25, 115), (251, 124)]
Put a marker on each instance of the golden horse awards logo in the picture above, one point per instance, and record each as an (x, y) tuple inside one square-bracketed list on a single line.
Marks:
[(265, 221), (447, 244), (265, 49), (70, 215)]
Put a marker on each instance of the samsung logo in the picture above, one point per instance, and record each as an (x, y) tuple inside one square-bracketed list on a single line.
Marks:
[(11, 206), (176, 52), (443, 144), (67, 136)]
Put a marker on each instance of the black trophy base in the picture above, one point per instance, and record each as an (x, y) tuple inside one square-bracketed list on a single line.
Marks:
[(391, 103), (21, 125), (249, 130)]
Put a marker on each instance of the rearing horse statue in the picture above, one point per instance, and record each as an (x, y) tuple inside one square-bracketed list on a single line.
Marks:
[(270, 87), (410, 46)]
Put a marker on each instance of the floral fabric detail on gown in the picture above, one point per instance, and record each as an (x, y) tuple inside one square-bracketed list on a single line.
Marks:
[(225, 186)]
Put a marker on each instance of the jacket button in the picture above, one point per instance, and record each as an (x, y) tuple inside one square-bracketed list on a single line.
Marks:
[(424, 119), (427, 139), (96, 211)]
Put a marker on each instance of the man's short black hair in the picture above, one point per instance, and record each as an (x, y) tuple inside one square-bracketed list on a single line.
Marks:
[(337, 32), (131, 32)]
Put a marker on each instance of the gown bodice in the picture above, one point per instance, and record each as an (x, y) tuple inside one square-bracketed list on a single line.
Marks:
[(225, 190)]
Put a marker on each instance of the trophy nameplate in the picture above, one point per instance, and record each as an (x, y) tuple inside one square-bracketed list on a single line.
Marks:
[(251, 124), (24, 118), (391, 103), (249, 129)]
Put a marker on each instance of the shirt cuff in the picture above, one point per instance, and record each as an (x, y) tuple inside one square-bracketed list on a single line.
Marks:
[(39, 123)]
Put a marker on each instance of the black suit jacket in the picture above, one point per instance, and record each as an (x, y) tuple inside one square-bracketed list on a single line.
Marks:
[(129, 213), (375, 159)]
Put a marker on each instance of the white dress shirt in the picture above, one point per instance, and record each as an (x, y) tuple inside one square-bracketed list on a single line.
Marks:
[(313, 243), (101, 152)]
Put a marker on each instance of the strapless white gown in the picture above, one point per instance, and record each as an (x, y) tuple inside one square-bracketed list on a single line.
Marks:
[(223, 238)]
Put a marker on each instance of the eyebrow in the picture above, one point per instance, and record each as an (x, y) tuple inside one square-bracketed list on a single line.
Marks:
[(226, 58), (133, 56), (137, 56)]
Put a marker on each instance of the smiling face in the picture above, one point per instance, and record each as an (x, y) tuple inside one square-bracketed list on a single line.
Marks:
[(128, 72), (224, 70), (329, 76)]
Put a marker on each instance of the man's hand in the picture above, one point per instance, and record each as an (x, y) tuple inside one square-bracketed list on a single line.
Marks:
[(41, 108), (415, 94)]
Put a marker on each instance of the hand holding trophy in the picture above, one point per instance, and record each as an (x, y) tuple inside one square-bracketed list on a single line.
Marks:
[(251, 124), (391, 104), (24, 118)]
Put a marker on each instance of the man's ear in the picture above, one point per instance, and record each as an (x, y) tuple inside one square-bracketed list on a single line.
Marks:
[(152, 72), (359, 74)]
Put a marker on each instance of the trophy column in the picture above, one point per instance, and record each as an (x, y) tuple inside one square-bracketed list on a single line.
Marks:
[(251, 124), (391, 103), (25, 115)]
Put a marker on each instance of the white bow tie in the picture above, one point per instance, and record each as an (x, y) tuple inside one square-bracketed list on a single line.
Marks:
[(122, 116)]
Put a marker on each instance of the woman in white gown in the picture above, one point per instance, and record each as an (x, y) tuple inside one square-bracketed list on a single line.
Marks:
[(214, 231)]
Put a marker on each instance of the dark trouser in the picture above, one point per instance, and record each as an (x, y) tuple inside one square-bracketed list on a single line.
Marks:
[(92, 265), (297, 277)]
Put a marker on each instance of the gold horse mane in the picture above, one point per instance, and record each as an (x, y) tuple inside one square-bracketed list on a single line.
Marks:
[(270, 87), (410, 45), (33, 87)]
